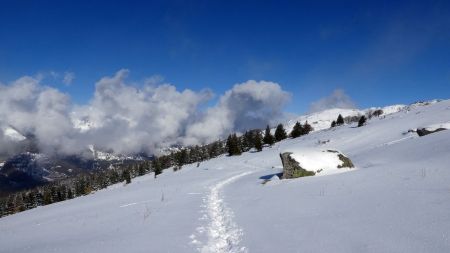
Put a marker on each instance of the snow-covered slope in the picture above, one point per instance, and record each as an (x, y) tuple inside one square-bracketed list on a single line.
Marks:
[(322, 120), (12, 134), (397, 199)]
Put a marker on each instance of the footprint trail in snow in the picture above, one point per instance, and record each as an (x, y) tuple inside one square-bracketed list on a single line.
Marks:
[(224, 235)]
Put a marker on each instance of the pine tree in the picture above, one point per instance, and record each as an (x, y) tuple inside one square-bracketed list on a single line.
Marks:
[(340, 120), (297, 130), (233, 145), (126, 175), (268, 137), (333, 123), (70, 193), (280, 133), (246, 141), (47, 196), (181, 158), (156, 166), (307, 128), (362, 121), (257, 141)]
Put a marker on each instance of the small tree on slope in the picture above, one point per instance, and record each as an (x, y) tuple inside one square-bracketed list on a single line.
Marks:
[(297, 130), (280, 133), (257, 142), (268, 137), (340, 120), (362, 121)]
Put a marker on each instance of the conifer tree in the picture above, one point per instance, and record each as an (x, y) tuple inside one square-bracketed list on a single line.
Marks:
[(257, 141), (69, 193), (233, 145), (280, 133), (156, 165), (126, 175), (268, 137), (362, 121), (340, 120), (333, 123), (307, 128), (297, 130)]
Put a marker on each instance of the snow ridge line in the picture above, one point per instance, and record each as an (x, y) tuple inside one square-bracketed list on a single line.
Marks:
[(224, 235)]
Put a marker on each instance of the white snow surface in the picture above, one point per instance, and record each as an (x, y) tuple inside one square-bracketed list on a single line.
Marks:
[(13, 134), (433, 127), (322, 120), (398, 200)]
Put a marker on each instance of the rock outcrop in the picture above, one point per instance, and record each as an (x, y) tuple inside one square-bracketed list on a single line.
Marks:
[(423, 131), (291, 168)]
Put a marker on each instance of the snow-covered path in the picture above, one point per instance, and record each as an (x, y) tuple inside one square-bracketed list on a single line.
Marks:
[(224, 235)]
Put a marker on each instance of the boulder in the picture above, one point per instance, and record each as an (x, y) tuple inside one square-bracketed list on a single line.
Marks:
[(291, 168), (423, 131), (309, 162)]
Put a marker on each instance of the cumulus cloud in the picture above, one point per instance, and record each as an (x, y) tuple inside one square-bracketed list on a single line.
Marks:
[(247, 105), (337, 99), (129, 118), (37, 110), (126, 119)]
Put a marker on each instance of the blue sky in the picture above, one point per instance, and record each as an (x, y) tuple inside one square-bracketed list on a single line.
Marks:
[(379, 52)]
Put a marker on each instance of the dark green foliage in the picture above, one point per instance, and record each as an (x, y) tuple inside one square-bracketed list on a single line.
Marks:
[(377, 113), (156, 166), (340, 120), (181, 158), (280, 133), (247, 141), (351, 119), (302, 173), (233, 145), (296, 130), (268, 137), (347, 163), (141, 169), (333, 123), (362, 121), (126, 175), (70, 193), (307, 128), (257, 141)]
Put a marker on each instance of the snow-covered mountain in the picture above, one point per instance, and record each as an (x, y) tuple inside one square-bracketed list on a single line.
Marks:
[(322, 120), (12, 134), (396, 199)]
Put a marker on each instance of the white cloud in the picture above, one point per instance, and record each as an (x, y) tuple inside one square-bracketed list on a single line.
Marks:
[(68, 78), (337, 99), (38, 110), (246, 106), (127, 119)]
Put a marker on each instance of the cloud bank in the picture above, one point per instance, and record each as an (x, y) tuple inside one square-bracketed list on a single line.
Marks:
[(126, 118), (337, 99)]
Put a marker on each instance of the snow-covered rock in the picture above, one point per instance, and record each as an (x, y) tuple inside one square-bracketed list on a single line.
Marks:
[(318, 161)]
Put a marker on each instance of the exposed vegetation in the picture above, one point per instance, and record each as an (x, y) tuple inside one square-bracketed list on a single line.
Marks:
[(346, 162)]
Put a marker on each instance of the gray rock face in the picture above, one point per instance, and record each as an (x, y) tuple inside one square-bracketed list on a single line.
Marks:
[(422, 131), (291, 168)]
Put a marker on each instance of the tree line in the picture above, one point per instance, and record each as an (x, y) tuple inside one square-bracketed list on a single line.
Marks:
[(254, 139), (85, 183)]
